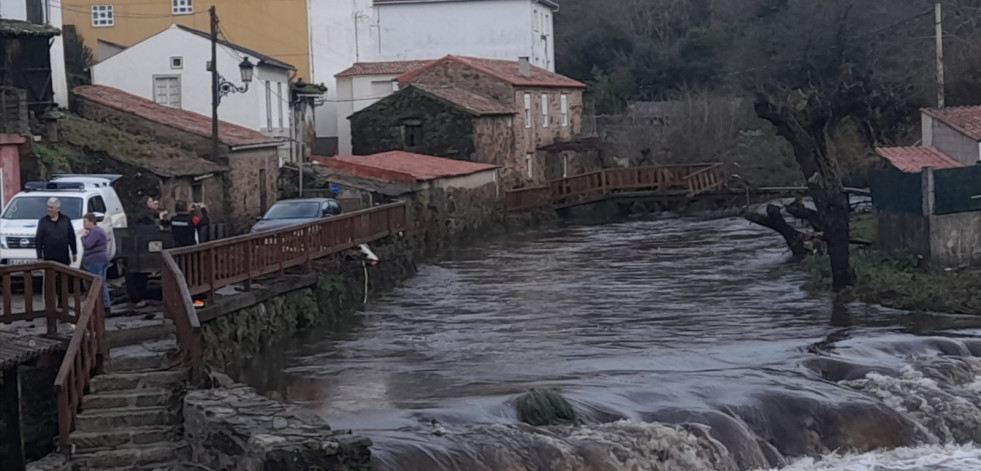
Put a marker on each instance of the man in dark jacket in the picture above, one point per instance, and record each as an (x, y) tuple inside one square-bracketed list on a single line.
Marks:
[(56, 236), (152, 214), (185, 226)]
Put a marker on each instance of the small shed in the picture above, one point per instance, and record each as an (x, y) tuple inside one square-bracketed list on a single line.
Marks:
[(25, 61)]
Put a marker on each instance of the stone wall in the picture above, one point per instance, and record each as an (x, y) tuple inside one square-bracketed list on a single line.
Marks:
[(447, 131), (234, 428), (232, 333), (249, 172), (495, 144), (442, 217), (39, 405)]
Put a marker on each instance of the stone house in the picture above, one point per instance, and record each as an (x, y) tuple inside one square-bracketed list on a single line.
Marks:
[(251, 159), (447, 197), (481, 110)]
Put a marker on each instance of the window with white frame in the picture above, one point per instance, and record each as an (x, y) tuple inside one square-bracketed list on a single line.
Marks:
[(544, 110), (529, 165), (177, 62), (268, 105), (167, 90), (280, 100), (182, 7), (103, 16), (565, 166), (527, 110), (564, 103)]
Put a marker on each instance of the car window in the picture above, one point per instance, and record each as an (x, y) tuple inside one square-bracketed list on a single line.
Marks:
[(97, 205), (34, 207), (294, 210), (333, 208)]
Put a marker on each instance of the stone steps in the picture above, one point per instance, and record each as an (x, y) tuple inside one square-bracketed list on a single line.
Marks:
[(168, 379), (129, 457), (149, 397), (88, 442), (148, 356), (110, 420)]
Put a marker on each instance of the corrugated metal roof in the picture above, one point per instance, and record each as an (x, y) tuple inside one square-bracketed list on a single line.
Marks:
[(15, 349)]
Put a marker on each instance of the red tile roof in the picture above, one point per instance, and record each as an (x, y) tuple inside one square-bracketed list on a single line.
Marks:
[(472, 102), (551, 3), (501, 69), (965, 119), (229, 134), (382, 68), (402, 167), (915, 159)]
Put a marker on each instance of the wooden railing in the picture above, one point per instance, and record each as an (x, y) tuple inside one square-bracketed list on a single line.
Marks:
[(205, 268), (707, 179), (692, 180), (87, 347), (527, 198)]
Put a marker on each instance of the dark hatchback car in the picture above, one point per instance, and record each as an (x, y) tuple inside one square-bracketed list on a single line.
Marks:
[(287, 213)]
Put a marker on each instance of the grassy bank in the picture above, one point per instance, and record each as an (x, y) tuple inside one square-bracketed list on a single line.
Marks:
[(899, 282)]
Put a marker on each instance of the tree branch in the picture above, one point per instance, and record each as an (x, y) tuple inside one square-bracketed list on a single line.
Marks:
[(774, 219)]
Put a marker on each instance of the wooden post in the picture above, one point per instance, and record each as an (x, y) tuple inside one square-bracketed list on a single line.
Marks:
[(50, 301), (211, 274), (248, 265)]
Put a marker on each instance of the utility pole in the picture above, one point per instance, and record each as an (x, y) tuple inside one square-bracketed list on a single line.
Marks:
[(938, 13), (214, 83)]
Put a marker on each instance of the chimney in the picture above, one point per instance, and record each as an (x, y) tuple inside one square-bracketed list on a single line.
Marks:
[(524, 67)]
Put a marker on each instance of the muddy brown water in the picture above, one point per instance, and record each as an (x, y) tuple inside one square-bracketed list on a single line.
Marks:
[(683, 343)]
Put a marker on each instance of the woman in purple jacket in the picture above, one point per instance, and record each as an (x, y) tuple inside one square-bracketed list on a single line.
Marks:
[(95, 253)]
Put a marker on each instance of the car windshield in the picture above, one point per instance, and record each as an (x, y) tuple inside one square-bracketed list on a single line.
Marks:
[(34, 207), (299, 210)]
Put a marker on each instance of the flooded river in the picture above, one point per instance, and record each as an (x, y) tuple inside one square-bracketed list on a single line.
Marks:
[(684, 344)]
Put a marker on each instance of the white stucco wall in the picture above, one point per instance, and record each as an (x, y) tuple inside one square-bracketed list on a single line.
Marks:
[(334, 46), (17, 10), (133, 71), (355, 94), (499, 29)]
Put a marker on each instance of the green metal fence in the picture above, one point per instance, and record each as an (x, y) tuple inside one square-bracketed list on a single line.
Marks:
[(957, 190), (896, 191)]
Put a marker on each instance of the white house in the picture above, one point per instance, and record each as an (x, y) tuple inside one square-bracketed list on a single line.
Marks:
[(171, 68), (406, 30), (43, 12)]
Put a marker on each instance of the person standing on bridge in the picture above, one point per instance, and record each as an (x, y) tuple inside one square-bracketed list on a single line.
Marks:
[(55, 237), (54, 241), (95, 253)]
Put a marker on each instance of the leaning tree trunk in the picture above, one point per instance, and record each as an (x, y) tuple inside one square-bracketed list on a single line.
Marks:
[(806, 128), (773, 219)]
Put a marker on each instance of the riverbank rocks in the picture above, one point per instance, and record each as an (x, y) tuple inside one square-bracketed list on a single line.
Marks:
[(235, 428)]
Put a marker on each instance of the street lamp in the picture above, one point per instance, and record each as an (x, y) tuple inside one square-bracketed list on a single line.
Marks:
[(225, 87)]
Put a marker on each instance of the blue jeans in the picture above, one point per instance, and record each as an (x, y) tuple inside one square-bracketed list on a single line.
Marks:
[(100, 269)]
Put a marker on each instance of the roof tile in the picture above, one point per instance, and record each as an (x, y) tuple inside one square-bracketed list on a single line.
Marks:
[(505, 70), (472, 102), (382, 68), (402, 167), (15, 349), (229, 134), (915, 159), (964, 119)]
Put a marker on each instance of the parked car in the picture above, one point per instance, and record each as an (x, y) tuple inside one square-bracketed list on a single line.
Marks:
[(79, 194), (287, 213)]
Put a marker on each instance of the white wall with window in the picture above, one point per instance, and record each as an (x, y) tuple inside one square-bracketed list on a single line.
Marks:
[(170, 68)]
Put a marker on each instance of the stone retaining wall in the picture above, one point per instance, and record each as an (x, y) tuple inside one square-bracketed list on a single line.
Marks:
[(234, 428)]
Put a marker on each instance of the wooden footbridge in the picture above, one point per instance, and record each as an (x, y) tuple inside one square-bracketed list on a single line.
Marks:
[(668, 181)]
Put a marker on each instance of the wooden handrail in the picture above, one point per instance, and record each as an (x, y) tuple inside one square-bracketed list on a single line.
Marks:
[(691, 178), (87, 347), (204, 268)]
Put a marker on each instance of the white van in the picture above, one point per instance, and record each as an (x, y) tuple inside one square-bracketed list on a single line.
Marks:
[(79, 194)]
